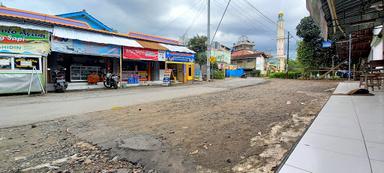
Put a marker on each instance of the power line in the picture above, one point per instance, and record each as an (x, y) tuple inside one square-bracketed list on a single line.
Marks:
[(198, 14), (242, 10), (175, 17), (247, 19), (262, 14), (266, 26), (221, 20), (266, 17), (263, 23)]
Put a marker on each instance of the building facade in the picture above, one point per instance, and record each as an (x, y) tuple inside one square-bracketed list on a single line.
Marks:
[(222, 55), (23, 58), (38, 44), (244, 56)]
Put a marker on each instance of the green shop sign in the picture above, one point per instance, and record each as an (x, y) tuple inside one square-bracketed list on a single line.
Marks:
[(23, 41)]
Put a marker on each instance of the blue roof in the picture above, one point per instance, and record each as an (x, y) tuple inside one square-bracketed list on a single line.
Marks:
[(86, 17)]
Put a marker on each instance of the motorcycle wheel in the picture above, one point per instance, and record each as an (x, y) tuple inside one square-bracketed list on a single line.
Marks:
[(106, 84), (115, 86)]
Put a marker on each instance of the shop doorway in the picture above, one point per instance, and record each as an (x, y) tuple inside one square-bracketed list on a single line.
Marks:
[(78, 67), (155, 71), (177, 72)]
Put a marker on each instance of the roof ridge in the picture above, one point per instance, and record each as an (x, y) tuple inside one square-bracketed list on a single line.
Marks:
[(88, 15), (41, 14), (150, 35), (88, 28)]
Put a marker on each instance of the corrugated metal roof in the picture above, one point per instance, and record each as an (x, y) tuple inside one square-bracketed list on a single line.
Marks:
[(151, 45), (76, 34), (247, 54), (25, 25), (44, 19), (153, 38), (88, 18), (12, 12), (177, 48), (347, 16), (41, 21)]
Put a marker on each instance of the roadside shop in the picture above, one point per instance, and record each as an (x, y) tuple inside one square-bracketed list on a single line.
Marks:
[(143, 65), (22, 52), (85, 53), (182, 65)]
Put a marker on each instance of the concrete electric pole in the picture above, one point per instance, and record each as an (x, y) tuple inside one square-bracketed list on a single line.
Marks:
[(349, 56), (209, 42), (286, 67)]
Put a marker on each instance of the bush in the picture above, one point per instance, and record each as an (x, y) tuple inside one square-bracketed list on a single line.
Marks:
[(218, 74), (255, 73), (282, 75), (277, 75)]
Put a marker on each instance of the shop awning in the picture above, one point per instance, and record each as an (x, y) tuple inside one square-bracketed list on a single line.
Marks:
[(151, 45), (174, 48), (88, 36)]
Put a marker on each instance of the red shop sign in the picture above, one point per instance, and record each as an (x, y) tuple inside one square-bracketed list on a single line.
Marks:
[(140, 54)]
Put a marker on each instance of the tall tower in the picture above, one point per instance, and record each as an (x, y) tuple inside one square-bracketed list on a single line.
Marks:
[(280, 42)]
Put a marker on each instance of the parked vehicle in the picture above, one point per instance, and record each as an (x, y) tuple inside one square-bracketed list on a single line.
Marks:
[(244, 75), (343, 73), (111, 81), (58, 78)]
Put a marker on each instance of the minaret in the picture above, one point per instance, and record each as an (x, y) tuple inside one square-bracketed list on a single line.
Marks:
[(280, 42)]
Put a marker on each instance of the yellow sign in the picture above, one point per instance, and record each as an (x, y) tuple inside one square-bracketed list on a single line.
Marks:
[(212, 59)]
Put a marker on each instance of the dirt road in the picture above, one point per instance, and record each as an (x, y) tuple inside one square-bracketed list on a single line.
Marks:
[(247, 129), (22, 110)]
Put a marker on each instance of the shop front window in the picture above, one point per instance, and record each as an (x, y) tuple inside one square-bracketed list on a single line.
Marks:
[(24, 63), (5, 63)]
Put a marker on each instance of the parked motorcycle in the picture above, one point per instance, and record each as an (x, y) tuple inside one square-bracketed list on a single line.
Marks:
[(58, 77), (111, 81)]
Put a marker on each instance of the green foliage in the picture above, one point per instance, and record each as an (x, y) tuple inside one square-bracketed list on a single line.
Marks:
[(308, 30), (201, 58), (295, 65), (255, 73), (214, 66), (310, 53), (305, 54), (335, 78), (282, 75), (199, 45), (218, 74)]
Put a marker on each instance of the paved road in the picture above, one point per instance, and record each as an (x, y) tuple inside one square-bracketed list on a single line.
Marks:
[(21, 110)]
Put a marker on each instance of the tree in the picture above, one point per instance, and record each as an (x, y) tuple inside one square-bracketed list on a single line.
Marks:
[(305, 54), (199, 45), (295, 65), (308, 30), (309, 51)]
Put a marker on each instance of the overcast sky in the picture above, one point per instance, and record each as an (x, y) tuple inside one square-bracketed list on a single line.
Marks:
[(175, 18)]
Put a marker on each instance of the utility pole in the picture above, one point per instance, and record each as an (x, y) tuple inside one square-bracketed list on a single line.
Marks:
[(349, 56), (333, 65), (286, 65), (209, 42)]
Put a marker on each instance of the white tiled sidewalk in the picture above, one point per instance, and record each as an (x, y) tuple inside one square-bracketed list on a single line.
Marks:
[(347, 136)]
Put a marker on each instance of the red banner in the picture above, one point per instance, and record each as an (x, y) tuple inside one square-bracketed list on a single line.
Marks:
[(140, 54)]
